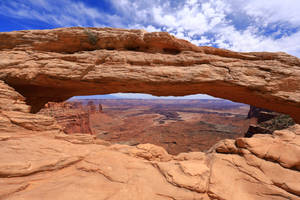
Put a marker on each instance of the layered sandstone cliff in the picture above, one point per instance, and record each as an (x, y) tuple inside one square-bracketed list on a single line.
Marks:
[(73, 117), (39, 161)]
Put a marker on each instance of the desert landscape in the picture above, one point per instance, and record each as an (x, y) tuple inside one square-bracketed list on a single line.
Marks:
[(176, 125), (53, 149)]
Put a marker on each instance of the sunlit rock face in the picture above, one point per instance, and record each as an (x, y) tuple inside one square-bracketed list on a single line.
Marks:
[(72, 116), (39, 161)]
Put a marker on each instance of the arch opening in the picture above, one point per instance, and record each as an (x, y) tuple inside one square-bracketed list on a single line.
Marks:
[(58, 90), (178, 124)]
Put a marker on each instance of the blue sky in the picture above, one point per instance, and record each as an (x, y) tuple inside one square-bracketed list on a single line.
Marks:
[(239, 25)]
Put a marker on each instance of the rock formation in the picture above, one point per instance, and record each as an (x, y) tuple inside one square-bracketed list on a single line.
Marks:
[(72, 117), (266, 121), (39, 161), (60, 63)]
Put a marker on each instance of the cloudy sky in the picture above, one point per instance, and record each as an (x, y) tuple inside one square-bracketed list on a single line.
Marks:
[(239, 25)]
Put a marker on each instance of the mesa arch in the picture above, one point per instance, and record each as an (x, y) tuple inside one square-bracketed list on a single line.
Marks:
[(54, 65)]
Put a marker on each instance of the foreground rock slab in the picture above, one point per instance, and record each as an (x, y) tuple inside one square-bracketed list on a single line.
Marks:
[(43, 167)]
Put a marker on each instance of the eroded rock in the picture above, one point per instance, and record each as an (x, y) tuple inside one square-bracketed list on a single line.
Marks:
[(93, 171), (61, 63), (37, 161), (266, 122)]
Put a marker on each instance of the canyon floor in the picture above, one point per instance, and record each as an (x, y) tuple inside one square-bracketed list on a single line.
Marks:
[(177, 125)]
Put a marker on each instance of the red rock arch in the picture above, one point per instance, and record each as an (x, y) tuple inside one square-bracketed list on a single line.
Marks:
[(53, 65)]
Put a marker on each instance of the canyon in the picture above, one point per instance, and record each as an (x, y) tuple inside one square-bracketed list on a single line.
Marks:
[(176, 125), (39, 161)]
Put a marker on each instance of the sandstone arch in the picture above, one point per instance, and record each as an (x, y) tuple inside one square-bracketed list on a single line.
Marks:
[(56, 64), (53, 65)]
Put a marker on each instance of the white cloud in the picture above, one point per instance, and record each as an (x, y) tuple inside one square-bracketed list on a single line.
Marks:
[(194, 17), (271, 11), (249, 40), (238, 25), (148, 28), (202, 41)]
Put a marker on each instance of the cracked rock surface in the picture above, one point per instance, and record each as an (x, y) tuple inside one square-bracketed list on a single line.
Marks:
[(38, 161), (36, 166)]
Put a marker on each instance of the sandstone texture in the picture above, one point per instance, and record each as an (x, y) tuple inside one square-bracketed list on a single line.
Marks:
[(15, 115), (73, 117), (61, 63), (38, 161)]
